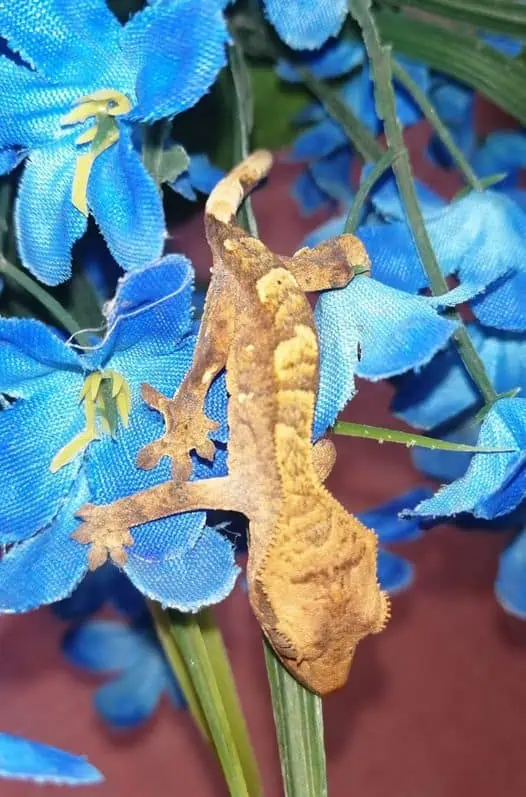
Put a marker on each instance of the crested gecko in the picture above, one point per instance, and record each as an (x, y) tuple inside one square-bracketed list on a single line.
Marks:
[(311, 569)]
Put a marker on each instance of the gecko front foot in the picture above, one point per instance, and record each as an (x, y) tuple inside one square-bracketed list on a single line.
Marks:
[(187, 429), (105, 532)]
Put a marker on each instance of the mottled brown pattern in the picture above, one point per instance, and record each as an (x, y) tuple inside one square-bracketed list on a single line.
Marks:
[(311, 566)]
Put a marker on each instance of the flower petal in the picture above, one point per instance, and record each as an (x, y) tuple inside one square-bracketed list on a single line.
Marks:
[(506, 45), (336, 58), (32, 107), (491, 255), (333, 174), (318, 141), (103, 646), (201, 175), (149, 316), (104, 585), (385, 521), (443, 389), (304, 25), (394, 572), (127, 205), (395, 332), (446, 466), (32, 431), (21, 759), (510, 585), (308, 194), (178, 50), (455, 103), (65, 40), (131, 698), (10, 157), (47, 567), (190, 578), (30, 353), (47, 222), (494, 484), (503, 151), (386, 198)]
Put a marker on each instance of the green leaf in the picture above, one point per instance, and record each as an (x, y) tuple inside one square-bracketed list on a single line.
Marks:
[(214, 687), (173, 163), (275, 104), (176, 661), (466, 58), (486, 182), (299, 724), (227, 688), (243, 118), (383, 434), (492, 15)]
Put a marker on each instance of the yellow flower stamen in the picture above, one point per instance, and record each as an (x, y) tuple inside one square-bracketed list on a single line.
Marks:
[(103, 106), (106, 397)]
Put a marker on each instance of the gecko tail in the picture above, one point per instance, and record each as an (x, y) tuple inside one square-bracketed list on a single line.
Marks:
[(226, 198)]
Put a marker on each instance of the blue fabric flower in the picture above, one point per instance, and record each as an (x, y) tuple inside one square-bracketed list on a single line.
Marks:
[(104, 586), (494, 484), (201, 176), (510, 584), (334, 59), (305, 25), (325, 143), (488, 261), (21, 759), (325, 181), (150, 339), (133, 652), (83, 73), (393, 331), (503, 152), (394, 572), (455, 105), (442, 390)]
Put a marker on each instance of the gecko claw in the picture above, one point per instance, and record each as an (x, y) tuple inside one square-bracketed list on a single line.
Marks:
[(106, 535)]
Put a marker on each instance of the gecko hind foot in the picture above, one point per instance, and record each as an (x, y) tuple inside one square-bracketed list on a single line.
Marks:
[(106, 534), (187, 429)]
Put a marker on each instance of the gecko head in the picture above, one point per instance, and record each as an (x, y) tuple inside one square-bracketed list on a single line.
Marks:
[(315, 617)]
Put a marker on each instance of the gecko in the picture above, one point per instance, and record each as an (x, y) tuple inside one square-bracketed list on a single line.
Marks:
[(312, 566)]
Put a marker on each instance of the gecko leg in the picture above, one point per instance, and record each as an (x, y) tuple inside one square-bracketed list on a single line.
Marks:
[(331, 264), (106, 527), (323, 458), (187, 427)]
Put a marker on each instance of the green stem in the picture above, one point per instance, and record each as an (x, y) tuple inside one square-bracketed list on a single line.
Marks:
[(381, 63), (47, 301), (189, 633), (227, 687), (243, 119), (383, 434), (381, 166), (162, 622), (298, 718), (435, 121), (363, 141)]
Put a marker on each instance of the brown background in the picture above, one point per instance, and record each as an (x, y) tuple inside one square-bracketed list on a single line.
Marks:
[(435, 706)]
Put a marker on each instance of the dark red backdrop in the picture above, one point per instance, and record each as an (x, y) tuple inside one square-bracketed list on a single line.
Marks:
[(435, 706)]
